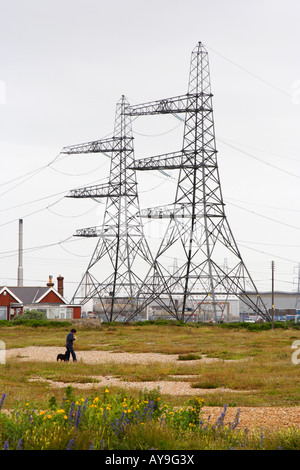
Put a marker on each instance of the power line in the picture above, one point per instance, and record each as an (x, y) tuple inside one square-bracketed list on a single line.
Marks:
[(226, 142), (31, 213), (79, 174), (32, 202), (31, 172), (35, 248), (31, 175), (263, 205), (251, 73), (259, 150), (270, 244), (39, 210), (159, 134), (270, 254), (69, 216), (260, 159), (265, 217), (36, 280)]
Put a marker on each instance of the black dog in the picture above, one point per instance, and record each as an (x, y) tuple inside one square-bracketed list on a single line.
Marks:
[(61, 357)]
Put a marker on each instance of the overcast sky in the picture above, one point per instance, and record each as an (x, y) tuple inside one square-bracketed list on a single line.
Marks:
[(63, 67)]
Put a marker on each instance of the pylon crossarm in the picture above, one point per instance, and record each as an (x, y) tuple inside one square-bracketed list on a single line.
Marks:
[(87, 232), (169, 161), (178, 104), (164, 212), (113, 144), (100, 190), (108, 232)]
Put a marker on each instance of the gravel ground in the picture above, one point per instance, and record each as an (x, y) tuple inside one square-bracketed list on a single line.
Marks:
[(48, 354), (274, 418), (250, 417)]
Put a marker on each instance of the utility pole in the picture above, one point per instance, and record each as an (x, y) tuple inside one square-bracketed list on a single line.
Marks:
[(273, 307), (297, 303)]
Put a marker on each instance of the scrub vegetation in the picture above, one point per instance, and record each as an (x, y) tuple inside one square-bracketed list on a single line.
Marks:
[(252, 361)]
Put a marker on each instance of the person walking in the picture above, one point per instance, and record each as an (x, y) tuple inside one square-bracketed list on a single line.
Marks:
[(69, 345)]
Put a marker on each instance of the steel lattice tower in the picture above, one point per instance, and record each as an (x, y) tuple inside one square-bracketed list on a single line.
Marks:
[(198, 232), (121, 243)]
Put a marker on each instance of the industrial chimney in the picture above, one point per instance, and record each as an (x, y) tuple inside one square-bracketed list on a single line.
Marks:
[(60, 285), (20, 265)]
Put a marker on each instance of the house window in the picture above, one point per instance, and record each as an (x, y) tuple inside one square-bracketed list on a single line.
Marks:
[(63, 312), (53, 313), (43, 310), (69, 314), (66, 313), (3, 313)]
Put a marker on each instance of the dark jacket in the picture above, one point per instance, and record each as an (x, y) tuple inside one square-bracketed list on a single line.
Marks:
[(70, 340)]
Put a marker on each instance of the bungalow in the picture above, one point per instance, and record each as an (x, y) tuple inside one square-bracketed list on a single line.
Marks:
[(16, 300)]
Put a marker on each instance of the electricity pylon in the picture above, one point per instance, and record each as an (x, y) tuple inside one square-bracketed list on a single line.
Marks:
[(297, 303), (198, 232), (122, 257)]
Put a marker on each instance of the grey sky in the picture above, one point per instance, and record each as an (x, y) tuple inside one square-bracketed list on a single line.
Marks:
[(64, 65)]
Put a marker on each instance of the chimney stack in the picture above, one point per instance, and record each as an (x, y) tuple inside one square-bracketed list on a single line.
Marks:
[(60, 285), (20, 265), (50, 283)]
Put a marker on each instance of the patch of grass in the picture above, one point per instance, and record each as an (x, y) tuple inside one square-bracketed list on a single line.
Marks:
[(227, 355), (189, 357), (206, 385)]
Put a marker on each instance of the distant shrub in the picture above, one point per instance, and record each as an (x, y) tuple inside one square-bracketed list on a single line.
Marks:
[(159, 322), (261, 326), (35, 323), (32, 315)]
